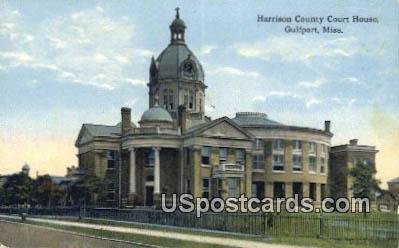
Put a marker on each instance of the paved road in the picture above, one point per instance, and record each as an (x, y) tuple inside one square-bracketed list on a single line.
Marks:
[(230, 242), (18, 235)]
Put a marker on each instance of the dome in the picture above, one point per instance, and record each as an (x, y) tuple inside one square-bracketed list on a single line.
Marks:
[(178, 23), (156, 114), (172, 60), (254, 119)]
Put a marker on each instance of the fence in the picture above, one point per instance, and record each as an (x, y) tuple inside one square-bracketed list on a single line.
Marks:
[(330, 226)]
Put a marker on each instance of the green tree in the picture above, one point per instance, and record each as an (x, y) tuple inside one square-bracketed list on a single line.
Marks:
[(18, 189), (365, 183), (87, 189), (46, 192)]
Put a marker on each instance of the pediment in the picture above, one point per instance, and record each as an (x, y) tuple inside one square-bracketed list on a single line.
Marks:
[(225, 129)]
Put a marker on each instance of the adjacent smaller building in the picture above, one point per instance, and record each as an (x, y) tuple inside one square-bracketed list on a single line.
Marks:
[(342, 159), (393, 187)]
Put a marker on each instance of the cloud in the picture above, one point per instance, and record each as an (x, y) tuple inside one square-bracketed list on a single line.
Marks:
[(206, 50), (231, 71), (299, 49), (136, 81), (312, 84), (285, 101), (86, 47)]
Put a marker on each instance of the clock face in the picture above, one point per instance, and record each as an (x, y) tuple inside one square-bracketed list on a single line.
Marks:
[(188, 67)]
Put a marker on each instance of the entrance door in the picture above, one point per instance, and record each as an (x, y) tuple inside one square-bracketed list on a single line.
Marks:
[(149, 197)]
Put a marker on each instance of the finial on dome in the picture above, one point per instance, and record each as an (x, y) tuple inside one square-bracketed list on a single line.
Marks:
[(177, 13)]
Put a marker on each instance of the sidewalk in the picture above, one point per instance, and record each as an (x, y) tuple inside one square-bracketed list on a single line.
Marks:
[(166, 234)]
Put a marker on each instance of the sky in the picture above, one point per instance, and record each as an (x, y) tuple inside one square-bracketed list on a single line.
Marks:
[(65, 63)]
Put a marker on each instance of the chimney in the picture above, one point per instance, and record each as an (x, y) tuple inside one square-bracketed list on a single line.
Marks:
[(353, 142), (126, 119), (182, 118), (327, 125)]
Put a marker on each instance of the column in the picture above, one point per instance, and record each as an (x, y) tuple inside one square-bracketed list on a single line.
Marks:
[(157, 175), (248, 173), (132, 181)]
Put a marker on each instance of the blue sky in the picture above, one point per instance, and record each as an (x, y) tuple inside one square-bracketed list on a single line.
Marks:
[(67, 63)]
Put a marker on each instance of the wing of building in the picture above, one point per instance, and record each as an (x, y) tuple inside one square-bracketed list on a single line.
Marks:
[(176, 148)]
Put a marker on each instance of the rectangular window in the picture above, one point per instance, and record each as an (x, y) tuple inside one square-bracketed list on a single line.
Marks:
[(222, 155), (312, 164), (205, 154), (191, 102), (205, 187), (149, 157), (240, 156), (111, 196), (259, 144), (278, 145), (258, 162), (323, 191), (312, 147), (312, 191), (278, 189), (233, 187), (258, 190), (297, 145), (171, 101), (297, 163), (111, 159), (165, 101), (323, 149), (278, 162), (297, 189), (322, 165)]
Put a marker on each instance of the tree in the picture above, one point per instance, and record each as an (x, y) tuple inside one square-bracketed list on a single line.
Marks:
[(364, 183), (18, 189), (87, 189), (46, 192)]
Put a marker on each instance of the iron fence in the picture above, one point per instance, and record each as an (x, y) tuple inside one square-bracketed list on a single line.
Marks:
[(329, 226)]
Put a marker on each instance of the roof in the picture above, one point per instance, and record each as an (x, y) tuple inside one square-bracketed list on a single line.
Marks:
[(155, 114), (254, 119), (395, 180), (103, 130), (169, 62)]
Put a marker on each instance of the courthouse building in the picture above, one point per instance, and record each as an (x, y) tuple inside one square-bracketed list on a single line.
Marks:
[(176, 148)]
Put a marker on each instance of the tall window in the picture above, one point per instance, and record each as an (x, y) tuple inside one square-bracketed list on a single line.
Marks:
[(222, 155), (168, 99), (240, 156), (278, 189), (233, 187), (312, 191), (322, 165), (278, 144), (312, 164), (297, 162), (259, 144), (278, 162), (297, 145), (312, 147), (111, 161), (323, 191), (205, 154), (297, 189), (258, 162), (205, 187), (191, 101), (149, 157), (220, 187)]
